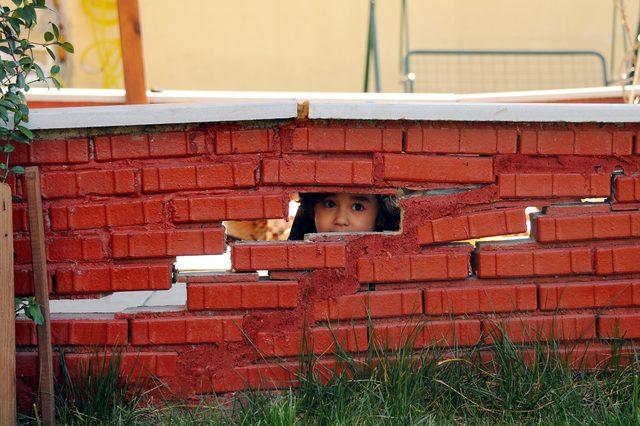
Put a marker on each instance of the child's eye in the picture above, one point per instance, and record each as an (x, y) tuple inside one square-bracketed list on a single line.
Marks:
[(328, 204), (358, 207)]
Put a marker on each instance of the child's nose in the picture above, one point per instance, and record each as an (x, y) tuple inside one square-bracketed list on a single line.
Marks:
[(342, 217)]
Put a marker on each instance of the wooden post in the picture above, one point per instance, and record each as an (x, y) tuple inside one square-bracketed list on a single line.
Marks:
[(7, 313), (135, 84), (41, 284)]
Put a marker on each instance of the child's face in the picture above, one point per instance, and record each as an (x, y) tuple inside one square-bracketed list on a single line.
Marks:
[(342, 212)]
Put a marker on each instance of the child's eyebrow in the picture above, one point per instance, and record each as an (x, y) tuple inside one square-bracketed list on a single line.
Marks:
[(362, 198)]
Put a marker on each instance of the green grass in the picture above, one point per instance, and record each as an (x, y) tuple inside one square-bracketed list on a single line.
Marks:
[(403, 387)]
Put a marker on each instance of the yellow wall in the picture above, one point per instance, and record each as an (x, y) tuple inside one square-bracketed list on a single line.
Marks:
[(315, 45)]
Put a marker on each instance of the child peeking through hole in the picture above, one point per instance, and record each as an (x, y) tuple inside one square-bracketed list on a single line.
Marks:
[(344, 212)]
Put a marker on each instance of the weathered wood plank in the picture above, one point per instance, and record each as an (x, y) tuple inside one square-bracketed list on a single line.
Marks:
[(40, 279)]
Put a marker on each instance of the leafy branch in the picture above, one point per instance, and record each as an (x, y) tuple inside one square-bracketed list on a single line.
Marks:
[(19, 70)]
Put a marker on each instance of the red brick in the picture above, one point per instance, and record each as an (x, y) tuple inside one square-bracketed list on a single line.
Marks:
[(589, 295), (263, 377), (96, 279), (27, 364), (536, 262), (288, 256), (335, 255), (438, 169), (392, 140), (440, 140), (210, 176), (98, 182), (175, 144), (622, 143), (59, 151), (533, 185), (326, 139), (79, 332), (225, 176), (617, 260), (300, 139), (317, 341), (132, 365), (475, 225), (244, 141), (541, 328), (414, 139), (418, 267), (399, 335), (594, 142), (62, 249), (616, 326), (20, 218), (23, 281), (154, 145), (507, 141), (119, 147), (70, 248), (378, 304), (479, 141), (219, 208), (627, 189), (178, 242), (88, 216), (328, 172), (480, 299), (364, 140), (249, 295), (597, 226), (548, 142), (186, 330)]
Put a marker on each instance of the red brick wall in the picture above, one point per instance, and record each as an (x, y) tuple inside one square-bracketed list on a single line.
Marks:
[(120, 207)]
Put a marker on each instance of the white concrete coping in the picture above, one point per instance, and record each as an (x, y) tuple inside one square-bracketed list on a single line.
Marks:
[(248, 106), (497, 112), (138, 115)]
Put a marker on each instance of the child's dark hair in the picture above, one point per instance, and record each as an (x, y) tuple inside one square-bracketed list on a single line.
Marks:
[(387, 219)]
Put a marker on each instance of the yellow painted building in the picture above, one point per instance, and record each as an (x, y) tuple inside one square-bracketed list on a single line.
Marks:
[(317, 45)]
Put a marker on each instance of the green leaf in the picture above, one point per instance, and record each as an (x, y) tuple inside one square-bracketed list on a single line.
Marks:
[(48, 36), (5, 49), (15, 24), (8, 148), (28, 133), (3, 166), (56, 82), (56, 31), (18, 170), (30, 11), (17, 2), (20, 81), (4, 116), (32, 310), (50, 52), (7, 104), (39, 72), (24, 109), (17, 117), (55, 69), (67, 46)]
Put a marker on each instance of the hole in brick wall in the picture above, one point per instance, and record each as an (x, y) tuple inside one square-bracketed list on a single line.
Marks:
[(386, 218)]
